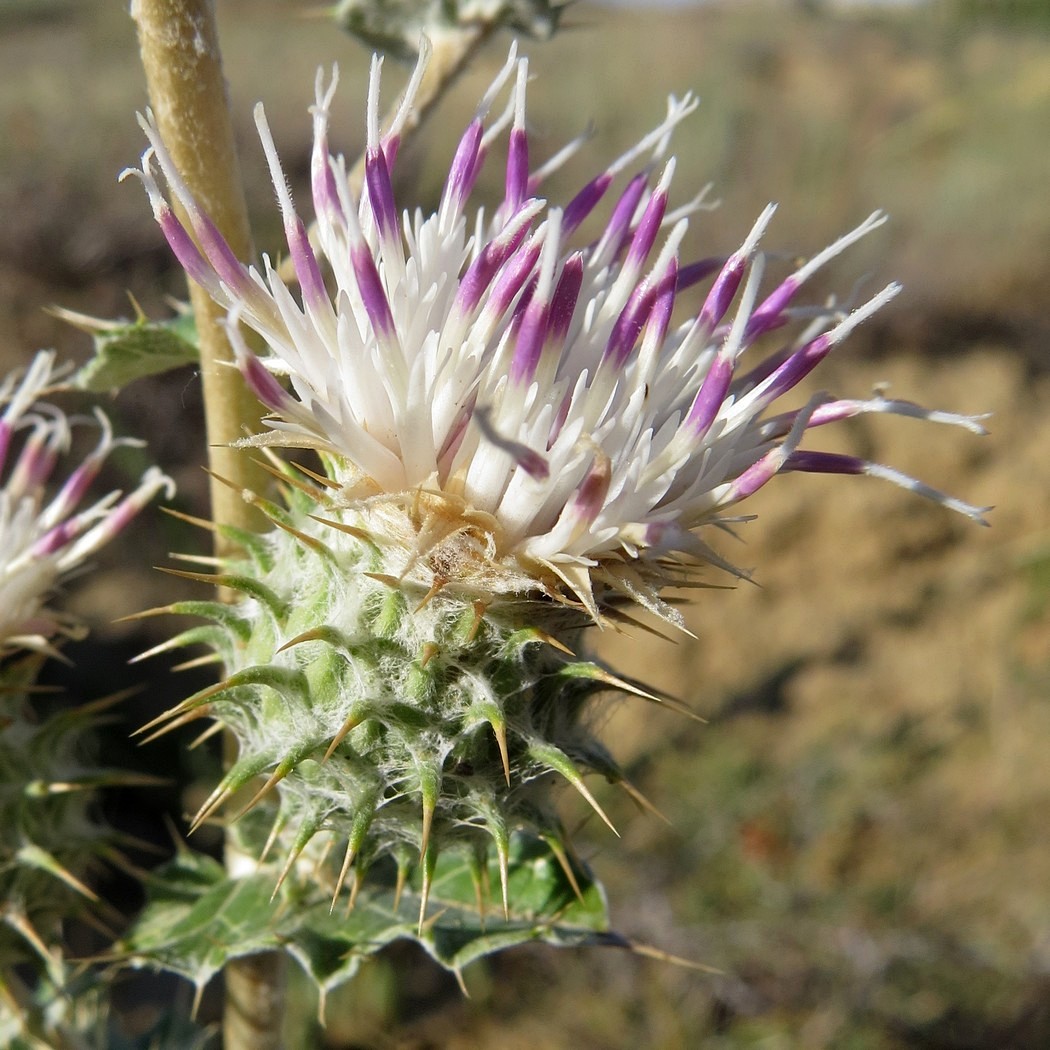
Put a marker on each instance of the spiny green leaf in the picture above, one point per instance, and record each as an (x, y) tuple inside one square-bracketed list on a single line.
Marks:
[(131, 350), (198, 918)]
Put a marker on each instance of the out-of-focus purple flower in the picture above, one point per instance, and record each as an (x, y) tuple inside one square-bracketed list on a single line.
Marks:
[(582, 405), (42, 539)]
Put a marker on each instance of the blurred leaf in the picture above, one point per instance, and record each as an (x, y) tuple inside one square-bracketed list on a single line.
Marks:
[(395, 26), (198, 918)]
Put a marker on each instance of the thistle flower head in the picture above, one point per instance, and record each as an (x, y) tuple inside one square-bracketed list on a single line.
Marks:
[(42, 539), (506, 413), (571, 411)]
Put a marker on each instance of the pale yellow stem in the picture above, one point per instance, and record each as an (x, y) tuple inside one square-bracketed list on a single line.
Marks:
[(180, 54)]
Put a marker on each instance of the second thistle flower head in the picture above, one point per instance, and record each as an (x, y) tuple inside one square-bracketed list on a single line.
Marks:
[(42, 540), (540, 414)]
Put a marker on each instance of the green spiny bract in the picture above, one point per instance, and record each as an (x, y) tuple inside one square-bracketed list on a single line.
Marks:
[(383, 708), (50, 841)]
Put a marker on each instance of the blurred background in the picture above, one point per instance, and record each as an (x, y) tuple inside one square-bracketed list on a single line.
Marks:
[(857, 835)]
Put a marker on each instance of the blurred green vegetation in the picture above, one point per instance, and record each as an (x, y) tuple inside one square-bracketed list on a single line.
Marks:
[(1019, 14), (857, 837)]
